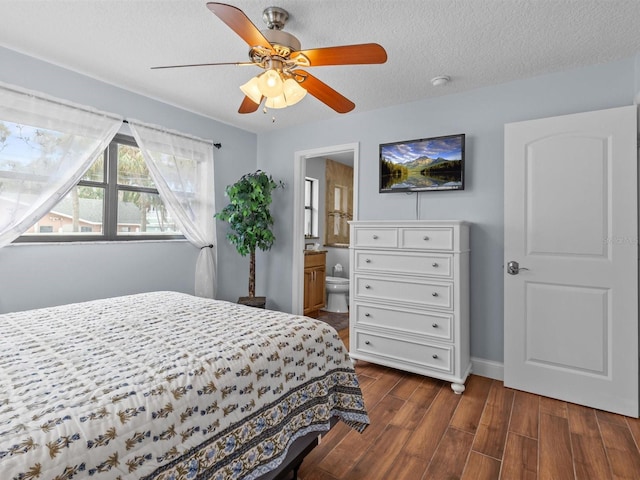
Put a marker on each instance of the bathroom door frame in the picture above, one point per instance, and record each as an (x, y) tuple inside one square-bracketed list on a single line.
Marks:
[(299, 173)]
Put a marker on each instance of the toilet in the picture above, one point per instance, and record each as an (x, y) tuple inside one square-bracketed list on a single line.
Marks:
[(337, 289)]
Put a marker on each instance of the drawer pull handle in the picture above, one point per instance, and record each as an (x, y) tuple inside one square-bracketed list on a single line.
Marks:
[(367, 286), (367, 314), (425, 238), (434, 265), (368, 260), (375, 237), (367, 342), (434, 325), (434, 355), (434, 294)]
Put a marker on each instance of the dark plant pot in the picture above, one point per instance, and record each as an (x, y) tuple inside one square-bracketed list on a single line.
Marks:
[(258, 302)]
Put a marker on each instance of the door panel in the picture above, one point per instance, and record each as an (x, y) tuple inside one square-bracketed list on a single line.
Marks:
[(565, 310), (571, 222), (567, 197)]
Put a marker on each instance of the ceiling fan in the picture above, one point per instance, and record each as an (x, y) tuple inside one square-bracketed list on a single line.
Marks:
[(284, 82)]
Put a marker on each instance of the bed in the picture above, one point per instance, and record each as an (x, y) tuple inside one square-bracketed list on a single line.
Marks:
[(167, 386)]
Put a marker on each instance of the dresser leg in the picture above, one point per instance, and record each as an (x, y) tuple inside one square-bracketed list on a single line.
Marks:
[(458, 388)]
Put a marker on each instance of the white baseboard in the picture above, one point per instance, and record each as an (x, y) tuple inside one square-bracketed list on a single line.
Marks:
[(487, 368)]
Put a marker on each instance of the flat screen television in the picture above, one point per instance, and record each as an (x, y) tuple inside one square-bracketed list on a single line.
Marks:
[(427, 164)]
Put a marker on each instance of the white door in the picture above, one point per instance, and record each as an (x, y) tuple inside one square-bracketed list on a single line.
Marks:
[(571, 224)]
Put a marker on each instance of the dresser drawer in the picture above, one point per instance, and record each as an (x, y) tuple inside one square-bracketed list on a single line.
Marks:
[(431, 238), (422, 354), (413, 322), (404, 290), (375, 237), (403, 262)]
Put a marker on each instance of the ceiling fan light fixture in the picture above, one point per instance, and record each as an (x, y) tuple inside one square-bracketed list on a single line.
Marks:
[(276, 102), (293, 92), (252, 90), (270, 83)]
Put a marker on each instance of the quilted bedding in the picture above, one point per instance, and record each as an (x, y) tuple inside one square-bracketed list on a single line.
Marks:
[(165, 386)]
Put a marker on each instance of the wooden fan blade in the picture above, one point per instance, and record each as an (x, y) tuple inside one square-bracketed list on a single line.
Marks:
[(203, 65), (248, 106), (239, 23), (366, 53), (325, 93)]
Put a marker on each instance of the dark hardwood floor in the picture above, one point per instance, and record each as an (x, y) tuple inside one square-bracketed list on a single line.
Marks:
[(421, 430)]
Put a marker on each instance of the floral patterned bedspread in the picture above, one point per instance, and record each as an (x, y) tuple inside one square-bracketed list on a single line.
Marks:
[(165, 386)]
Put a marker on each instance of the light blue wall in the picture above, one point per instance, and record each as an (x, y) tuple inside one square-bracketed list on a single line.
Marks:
[(41, 275), (481, 115)]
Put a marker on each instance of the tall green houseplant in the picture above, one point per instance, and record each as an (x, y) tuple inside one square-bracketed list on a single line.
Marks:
[(249, 217)]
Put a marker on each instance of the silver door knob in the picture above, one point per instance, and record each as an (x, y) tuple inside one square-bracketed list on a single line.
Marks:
[(434, 265), (368, 260), (375, 237), (513, 268), (434, 355), (434, 294)]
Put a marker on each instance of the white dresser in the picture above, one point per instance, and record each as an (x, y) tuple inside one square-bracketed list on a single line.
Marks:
[(409, 300)]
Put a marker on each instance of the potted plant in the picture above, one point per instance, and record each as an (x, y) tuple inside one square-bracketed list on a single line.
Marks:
[(250, 222)]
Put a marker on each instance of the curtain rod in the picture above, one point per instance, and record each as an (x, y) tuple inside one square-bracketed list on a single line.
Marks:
[(217, 145)]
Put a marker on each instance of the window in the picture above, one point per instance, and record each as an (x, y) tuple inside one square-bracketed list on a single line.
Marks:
[(310, 208), (115, 200)]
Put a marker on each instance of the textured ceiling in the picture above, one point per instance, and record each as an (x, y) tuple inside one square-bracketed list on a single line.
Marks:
[(475, 42)]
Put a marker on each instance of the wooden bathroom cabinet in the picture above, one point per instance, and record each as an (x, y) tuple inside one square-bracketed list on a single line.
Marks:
[(314, 275)]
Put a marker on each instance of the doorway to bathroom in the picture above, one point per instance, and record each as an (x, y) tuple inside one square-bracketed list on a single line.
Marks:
[(312, 164)]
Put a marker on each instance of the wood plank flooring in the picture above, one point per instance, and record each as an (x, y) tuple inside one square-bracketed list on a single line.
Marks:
[(421, 430)]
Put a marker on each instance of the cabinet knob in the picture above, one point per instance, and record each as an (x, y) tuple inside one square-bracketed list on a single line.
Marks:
[(425, 238), (367, 314), (367, 342), (434, 325), (375, 237), (434, 265), (367, 286), (434, 294), (368, 260), (434, 355)]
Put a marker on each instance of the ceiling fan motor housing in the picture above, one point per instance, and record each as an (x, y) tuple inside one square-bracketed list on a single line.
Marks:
[(283, 42)]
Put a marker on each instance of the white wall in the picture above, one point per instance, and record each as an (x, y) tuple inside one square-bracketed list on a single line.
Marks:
[(481, 115), (40, 275)]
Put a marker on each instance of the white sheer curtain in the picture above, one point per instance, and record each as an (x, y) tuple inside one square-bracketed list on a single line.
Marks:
[(46, 146), (182, 168)]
